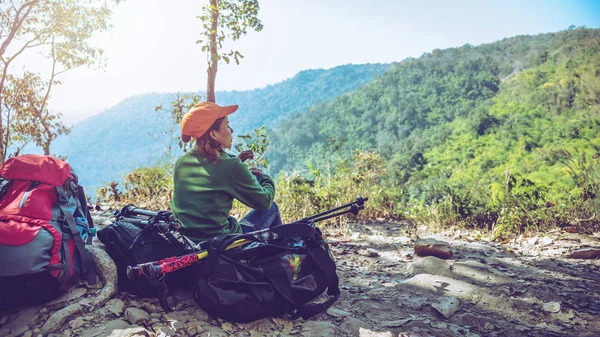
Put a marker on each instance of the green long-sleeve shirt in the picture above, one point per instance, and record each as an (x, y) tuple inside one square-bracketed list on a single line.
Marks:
[(204, 191)]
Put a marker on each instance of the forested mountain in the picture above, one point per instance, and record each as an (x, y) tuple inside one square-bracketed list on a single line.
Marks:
[(131, 134), (468, 124)]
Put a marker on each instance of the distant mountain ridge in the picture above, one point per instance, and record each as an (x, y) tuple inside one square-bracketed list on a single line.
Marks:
[(131, 134), (467, 124)]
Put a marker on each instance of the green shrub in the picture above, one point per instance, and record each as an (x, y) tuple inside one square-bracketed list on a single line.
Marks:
[(145, 187)]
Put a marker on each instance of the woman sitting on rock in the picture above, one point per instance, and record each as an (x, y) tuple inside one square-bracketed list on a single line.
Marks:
[(207, 179)]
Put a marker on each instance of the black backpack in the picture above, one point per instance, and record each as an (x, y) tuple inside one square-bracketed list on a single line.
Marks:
[(138, 236), (279, 273)]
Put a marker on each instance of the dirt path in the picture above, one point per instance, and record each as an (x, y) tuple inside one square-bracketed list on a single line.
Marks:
[(524, 288)]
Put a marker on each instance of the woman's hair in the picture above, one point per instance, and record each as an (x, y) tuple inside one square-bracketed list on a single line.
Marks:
[(208, 146)]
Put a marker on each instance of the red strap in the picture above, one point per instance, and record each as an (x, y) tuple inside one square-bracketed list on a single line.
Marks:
[(45, 169)]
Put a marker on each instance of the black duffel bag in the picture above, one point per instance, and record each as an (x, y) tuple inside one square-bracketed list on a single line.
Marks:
[(136, 238), (273, 277)]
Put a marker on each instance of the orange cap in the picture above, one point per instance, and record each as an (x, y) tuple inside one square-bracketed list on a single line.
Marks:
[(201, 117)]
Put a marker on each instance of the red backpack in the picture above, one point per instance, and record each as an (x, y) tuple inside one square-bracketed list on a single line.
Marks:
[(45, 225)]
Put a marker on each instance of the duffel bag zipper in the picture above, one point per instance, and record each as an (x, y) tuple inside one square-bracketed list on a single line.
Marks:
[(27, 193)]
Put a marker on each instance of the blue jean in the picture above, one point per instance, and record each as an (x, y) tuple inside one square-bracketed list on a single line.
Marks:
[(257, 220)]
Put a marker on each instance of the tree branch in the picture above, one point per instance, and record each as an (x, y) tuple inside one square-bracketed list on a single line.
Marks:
[(577, 220), (49, 82), (5, 72), (17, 24), (25, 46), (3, 143), (7, 133), (62, 71)]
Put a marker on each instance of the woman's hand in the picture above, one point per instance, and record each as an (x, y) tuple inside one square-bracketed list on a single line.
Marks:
[(256, 172), (245, 155)]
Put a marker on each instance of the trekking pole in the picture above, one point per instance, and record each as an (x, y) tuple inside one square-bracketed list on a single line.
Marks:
[(355, 206), (156, 269), (164, 220), (130, 209), (161, 224)]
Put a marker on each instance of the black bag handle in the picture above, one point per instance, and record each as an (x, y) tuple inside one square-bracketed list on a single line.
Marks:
[(218, 245)]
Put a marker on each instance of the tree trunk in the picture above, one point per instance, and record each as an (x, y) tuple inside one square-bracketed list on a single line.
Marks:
[(214, 56), (47, 147)]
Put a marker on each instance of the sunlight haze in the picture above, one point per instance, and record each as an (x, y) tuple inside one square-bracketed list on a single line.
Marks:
[(151, 47)]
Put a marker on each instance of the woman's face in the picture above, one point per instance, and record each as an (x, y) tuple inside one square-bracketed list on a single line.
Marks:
[(223, 135)]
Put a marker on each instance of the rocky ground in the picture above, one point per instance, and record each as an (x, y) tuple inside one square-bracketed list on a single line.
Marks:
[(530, 286)]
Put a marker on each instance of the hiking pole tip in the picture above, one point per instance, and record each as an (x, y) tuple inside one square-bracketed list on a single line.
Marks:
[(133, 272), (360, 200)]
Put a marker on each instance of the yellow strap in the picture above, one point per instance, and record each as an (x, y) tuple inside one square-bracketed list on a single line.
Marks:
[(236, 243)]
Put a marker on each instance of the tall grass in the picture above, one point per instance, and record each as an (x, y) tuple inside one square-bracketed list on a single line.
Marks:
[(514, 205)]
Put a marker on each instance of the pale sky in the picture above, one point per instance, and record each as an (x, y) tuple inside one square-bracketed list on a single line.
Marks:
[(151, 47)]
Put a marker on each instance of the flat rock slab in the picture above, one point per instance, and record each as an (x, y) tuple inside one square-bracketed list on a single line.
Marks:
[(136, 315), (447, 306), (430, 265), (433, 247), (475, 320), (479, 272), (317, 328), (481, 297), (107, 328)]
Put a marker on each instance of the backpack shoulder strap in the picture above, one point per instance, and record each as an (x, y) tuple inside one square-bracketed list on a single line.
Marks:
[(68, 205), (85, 212), (83, 209)]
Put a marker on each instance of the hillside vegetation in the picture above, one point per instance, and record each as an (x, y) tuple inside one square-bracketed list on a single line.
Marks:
[(131, 134), (503, 135)]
